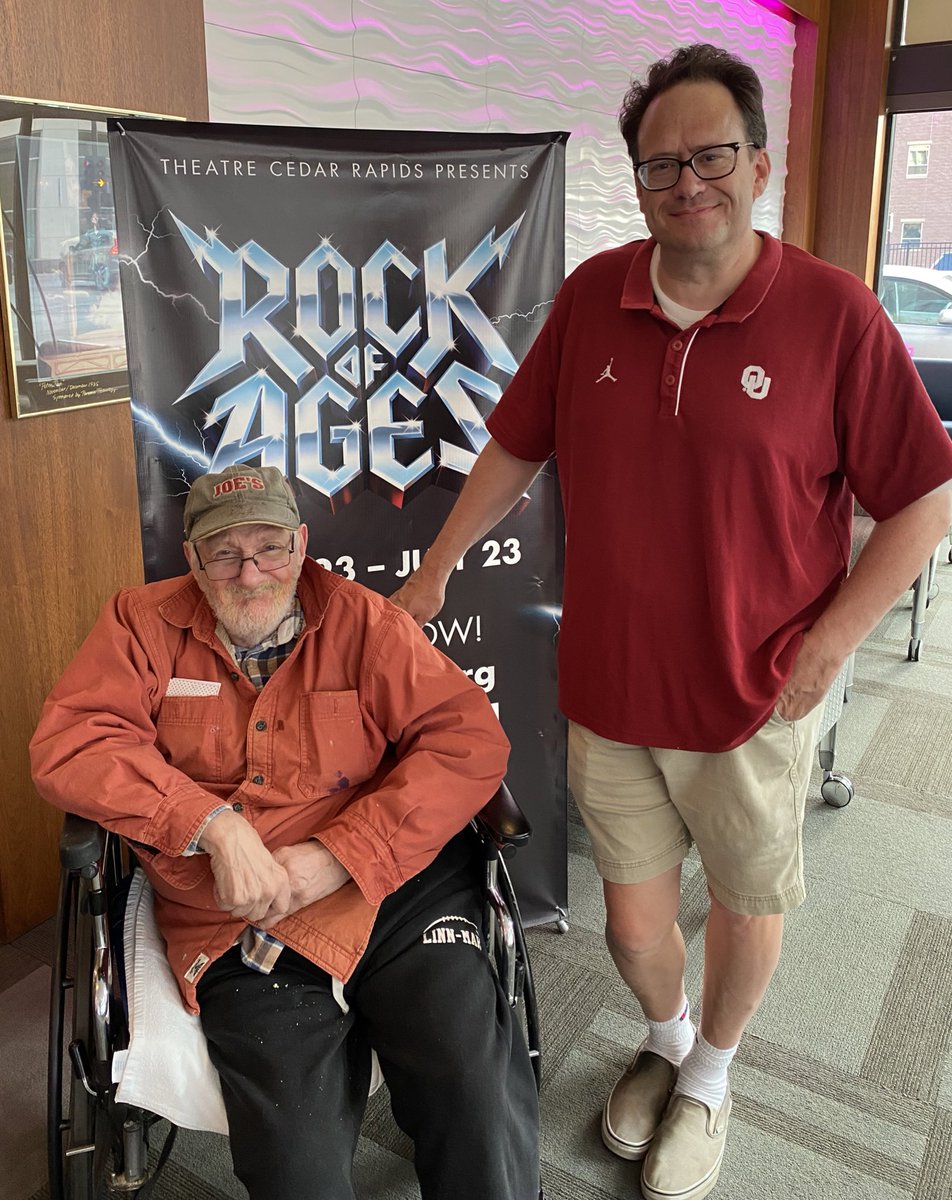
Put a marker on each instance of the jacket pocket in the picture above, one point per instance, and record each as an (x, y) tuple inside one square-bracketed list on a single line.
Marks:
[(170, 875), (333, 745), (188, 735)]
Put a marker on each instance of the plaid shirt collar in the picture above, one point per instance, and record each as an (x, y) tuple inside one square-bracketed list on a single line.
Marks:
[(260, 662)]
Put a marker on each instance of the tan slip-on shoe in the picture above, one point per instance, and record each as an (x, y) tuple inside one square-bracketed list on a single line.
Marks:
[(685, 1157), (637, 1103)]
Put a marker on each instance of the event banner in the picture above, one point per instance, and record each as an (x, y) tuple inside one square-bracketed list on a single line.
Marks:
[(348, 306)]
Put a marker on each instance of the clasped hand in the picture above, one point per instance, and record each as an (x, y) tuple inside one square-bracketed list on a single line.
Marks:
[(262, 887)]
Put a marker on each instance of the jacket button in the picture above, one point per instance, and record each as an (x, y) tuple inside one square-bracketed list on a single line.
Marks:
[(259, 725), (258, 779), (238, 806), (234, 677)]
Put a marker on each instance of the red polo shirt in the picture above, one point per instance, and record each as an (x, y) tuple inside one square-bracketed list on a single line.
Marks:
[(706, 479)]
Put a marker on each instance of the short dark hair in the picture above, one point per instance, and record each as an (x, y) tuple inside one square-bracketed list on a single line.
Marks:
[(699, 63)]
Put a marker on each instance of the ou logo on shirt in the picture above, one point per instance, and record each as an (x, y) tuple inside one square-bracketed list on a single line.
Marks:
[(755, 382)]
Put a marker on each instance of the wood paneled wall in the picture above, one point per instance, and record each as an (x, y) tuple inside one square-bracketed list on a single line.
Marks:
[(835, 152), (851, 143), (69, 529), (806, 115)]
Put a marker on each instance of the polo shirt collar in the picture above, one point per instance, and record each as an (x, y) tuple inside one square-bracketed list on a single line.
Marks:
[(637, 292)]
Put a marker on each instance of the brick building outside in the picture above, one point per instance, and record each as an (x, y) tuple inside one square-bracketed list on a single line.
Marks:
[(919, 211)]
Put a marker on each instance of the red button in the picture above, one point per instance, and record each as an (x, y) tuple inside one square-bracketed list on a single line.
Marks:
[(669, 380), (677, 345)]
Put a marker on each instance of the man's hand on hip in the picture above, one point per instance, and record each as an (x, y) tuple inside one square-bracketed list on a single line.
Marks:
[(313, 873), (813, 672), (248, 880)]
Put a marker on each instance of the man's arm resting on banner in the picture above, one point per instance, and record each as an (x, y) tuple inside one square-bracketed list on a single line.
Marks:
[(890, 561), (495, 483)]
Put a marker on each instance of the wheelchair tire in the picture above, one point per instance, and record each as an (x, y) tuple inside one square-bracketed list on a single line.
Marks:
[(80, 1132)]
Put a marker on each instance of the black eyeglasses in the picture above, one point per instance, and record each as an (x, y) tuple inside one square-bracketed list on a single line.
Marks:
[(711, 162), (228, 566)]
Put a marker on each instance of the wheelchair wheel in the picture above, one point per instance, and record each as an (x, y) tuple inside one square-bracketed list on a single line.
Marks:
[(523, 997), (79, 1129), (96, 1147)]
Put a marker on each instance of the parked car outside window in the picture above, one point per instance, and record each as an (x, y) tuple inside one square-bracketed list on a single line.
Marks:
[(919, 301)]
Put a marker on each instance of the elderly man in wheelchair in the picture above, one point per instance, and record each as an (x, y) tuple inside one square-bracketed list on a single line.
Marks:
[(296, 769)]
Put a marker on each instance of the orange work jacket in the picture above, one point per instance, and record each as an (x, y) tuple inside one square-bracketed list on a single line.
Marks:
[(366, 738)]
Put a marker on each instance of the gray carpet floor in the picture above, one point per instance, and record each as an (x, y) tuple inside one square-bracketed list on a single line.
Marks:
[(843, 1084)]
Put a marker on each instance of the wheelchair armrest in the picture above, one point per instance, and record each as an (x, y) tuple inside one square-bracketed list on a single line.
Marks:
[(502, 821), (81, 842)]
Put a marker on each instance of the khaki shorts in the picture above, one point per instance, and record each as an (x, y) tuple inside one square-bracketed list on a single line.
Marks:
[(743, 808)]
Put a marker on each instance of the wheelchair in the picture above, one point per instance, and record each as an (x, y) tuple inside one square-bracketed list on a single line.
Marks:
[(100, 1147)]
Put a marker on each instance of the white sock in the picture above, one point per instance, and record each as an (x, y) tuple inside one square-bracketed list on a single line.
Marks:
[(703, 1073), (672, 1039)]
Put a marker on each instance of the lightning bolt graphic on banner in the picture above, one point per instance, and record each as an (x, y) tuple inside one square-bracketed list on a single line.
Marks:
[(128, 261)]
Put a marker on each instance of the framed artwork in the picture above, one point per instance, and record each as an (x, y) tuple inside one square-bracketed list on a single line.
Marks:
[(62, 306)]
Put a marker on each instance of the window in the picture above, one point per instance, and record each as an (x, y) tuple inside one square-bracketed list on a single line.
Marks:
[(917, 160), (910, 232), (920, 304), (926, 21), (914, 279)]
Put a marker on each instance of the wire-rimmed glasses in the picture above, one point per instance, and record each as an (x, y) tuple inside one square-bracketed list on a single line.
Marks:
[(228, 566)]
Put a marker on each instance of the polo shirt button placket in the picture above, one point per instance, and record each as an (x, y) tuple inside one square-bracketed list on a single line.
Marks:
[(672, 365)]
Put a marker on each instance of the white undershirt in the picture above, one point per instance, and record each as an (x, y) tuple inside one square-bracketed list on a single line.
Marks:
[(683, 317)]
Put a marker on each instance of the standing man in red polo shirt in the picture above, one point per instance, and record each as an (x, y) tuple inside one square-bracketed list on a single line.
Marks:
[(714, 400)]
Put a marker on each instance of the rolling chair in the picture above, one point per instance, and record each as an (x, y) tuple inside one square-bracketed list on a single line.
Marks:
[(98, 1141), (836, 788), (936, 374)]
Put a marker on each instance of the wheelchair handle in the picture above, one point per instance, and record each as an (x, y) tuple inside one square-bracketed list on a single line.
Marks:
[(81, 843), (501, 820)]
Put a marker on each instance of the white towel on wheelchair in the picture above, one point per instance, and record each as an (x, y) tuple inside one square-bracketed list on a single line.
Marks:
[(166, 1069)]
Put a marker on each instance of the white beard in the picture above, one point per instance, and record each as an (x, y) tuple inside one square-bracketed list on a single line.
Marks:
[(250, 615)]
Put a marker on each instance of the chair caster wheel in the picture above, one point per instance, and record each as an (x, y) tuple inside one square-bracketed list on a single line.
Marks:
[(915, 646), (562, 920), (836, 790)]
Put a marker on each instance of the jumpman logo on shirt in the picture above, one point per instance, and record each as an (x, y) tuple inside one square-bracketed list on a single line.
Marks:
[(607, 373)]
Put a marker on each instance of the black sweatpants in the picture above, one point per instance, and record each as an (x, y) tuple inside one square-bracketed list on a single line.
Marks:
[(295, 1069)]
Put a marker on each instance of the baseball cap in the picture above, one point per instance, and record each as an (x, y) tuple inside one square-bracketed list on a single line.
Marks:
[(239, 495)]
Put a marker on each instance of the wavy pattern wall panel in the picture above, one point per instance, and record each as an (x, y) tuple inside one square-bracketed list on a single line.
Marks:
[(516, 65)]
